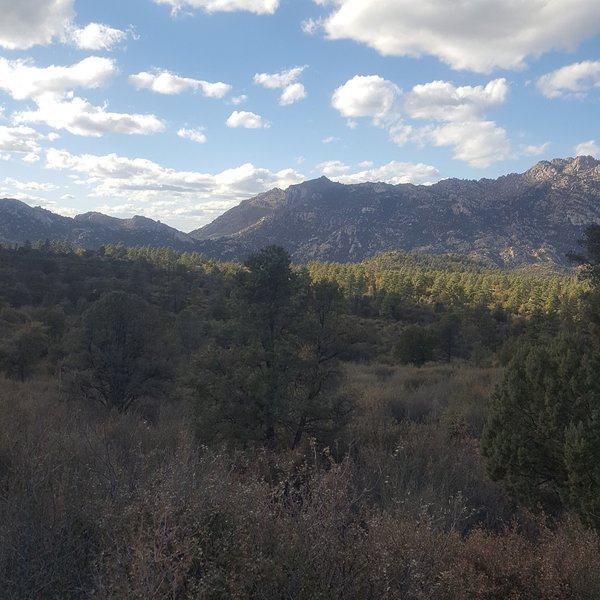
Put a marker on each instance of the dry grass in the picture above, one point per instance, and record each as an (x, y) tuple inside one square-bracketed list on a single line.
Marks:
[(103, 506)]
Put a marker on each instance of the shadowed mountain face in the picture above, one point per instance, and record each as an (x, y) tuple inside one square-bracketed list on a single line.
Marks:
[(517, 219), (20, 222)]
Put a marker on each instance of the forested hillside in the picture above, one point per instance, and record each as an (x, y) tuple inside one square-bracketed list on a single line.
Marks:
[(405, 427)]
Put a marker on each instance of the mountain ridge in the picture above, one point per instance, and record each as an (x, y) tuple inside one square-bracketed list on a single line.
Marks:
[(517, 219)]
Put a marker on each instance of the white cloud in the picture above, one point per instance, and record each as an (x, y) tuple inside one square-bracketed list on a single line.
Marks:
[(26, 23), (394, 173), (461, 110), (576, 79), (237, 100), (311, 26), (51, 88), (164, 82), (333, 167), (286, 81), (29, 186), (79, 117), (442, 101), (478, 35), (160, 192), (292, 94), (96, 36), (478, 143), (195, 135), (275, 81), (23, 80), (367, 96), (247, 120), (533, 149), (259, 7), (23, 140), (589, 148), (330, 139)]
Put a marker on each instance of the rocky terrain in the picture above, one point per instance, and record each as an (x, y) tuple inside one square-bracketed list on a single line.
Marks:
[(20, 222), (517, 219)]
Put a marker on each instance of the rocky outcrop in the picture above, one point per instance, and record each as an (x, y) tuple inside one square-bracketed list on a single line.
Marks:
[(517, 219), (537, 216)]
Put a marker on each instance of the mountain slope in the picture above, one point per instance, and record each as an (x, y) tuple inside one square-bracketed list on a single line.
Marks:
[(20, 222), (517, 219)]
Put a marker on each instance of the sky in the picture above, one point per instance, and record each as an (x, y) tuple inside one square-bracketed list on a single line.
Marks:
[(179, 109)]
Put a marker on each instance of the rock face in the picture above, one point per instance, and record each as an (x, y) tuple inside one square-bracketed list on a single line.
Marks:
[(536, 216), (20, 222), (533, 217)]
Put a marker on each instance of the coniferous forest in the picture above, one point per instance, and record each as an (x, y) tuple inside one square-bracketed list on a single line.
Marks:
[(408, 427)]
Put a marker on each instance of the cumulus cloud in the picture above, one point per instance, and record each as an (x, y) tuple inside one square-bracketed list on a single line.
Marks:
[(442, 101), (29, 186), (168, 194), (23, 80), (533, 149), (393, 173), (478, 143), (247, 120), (589, 148), (51, 88), (195, 135), (96, 36), (333, 167), (285, 80), (22, 140), (164, 82), (79, 117), (367, 96), (259, 7), (575, 80), (461, 110), (281, 80), (477, 35), (237, 100), (26, 23), (292, 94)]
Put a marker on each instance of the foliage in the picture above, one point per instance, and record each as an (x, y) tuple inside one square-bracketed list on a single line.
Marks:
[(122, 356), (268, 376), (281, 450), (543, 432)]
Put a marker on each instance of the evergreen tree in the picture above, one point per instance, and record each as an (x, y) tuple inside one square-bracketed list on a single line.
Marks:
[(123, 355)]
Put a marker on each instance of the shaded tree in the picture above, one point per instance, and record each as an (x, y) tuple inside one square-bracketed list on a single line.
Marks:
[(22, 350), (123, 352), (542, 436), (268, 375), (415, 345)]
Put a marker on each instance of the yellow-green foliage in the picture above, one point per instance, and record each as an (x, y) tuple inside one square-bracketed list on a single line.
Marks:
[(455, 282)]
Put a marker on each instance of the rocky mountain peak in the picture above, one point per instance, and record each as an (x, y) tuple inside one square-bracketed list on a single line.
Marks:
[(517, 219), (584, 167)]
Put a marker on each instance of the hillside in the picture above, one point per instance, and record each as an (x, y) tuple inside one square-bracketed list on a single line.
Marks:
[(531, 218), (20, 222), (516, 219)]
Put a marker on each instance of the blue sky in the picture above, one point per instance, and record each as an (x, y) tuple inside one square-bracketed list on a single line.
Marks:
[(180, 109)]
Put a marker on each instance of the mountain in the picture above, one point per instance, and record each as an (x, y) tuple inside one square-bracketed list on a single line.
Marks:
[(536, 216), (517, 219), (20, 222)]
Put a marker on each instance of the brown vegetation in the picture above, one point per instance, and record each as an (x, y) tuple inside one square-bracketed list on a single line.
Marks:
[(106, 505)]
